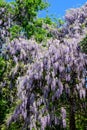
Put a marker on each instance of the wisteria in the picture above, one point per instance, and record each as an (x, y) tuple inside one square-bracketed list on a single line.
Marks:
[(5, 23), (23, 50), (60, 69), (49, 72)]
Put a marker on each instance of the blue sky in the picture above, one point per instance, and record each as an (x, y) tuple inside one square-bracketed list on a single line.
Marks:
[(59, 7)]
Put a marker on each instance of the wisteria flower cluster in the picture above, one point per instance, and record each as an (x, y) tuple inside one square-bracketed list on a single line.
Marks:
[(24, 50), (60, 69), (75, 24), (5, 24)]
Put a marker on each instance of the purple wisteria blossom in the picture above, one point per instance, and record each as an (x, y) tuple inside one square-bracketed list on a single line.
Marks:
[(48, 73)]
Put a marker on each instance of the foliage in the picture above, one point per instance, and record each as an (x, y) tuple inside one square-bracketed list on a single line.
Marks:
[(2, 3), (25, 15), (83, 44), (22, 17), (3, 102), (2, 66), (15, 31), (59, 22)]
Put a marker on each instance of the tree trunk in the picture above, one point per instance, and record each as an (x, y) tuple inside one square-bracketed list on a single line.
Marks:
[(28, 114), (72, 125)]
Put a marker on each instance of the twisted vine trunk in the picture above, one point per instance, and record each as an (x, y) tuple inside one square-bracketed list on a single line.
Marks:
[(28, 114), (72, 124)]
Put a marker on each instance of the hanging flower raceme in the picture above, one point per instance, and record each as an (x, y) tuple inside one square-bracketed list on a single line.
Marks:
[(45, 80)]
